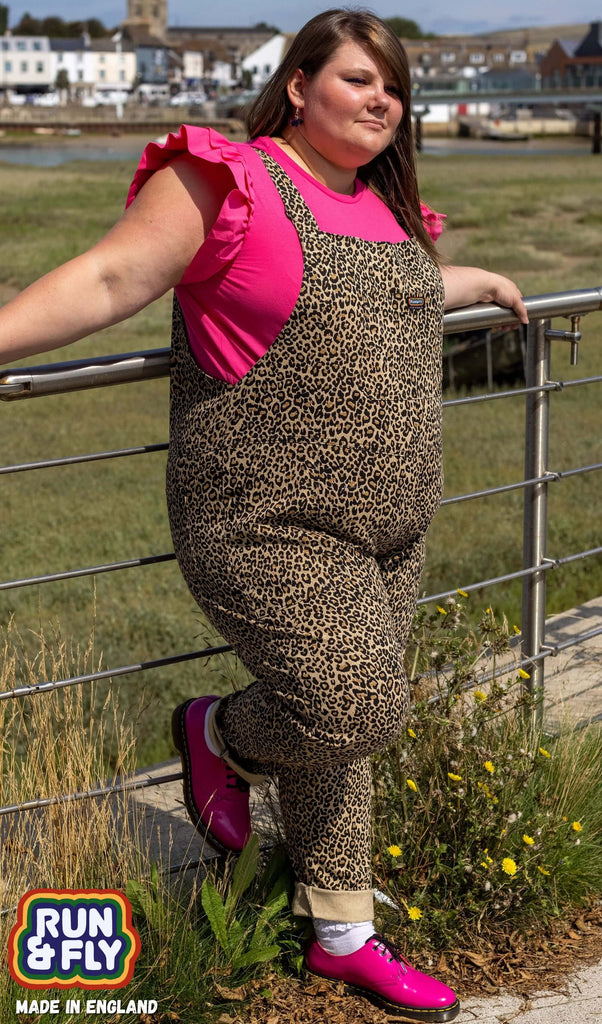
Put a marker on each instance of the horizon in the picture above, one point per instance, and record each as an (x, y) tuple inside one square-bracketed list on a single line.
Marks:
[(431, 17)]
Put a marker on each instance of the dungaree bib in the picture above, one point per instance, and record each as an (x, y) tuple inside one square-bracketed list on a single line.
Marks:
[(298, 501)]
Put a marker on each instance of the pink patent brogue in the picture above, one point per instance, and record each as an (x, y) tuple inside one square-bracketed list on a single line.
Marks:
[(216, 798), (379, 972)]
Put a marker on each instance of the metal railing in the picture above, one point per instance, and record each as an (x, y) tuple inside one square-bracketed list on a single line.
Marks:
[(77, 375)]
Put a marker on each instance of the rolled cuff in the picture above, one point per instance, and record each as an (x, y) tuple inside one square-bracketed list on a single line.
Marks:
[(355, 905)]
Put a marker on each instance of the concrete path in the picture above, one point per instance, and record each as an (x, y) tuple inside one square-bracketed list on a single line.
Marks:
[(573, 684)]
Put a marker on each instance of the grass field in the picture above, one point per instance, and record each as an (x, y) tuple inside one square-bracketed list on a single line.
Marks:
[(534, 219)]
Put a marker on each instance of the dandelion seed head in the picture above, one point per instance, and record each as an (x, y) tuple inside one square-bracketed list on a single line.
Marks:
[(487, 886)]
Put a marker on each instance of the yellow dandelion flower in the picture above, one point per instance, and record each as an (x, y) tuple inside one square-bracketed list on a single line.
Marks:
[(414, 913), (412, 785), (488, 611), (479, 695), (484, 864), (441, 610), (502, 833), (543, 870), (412, 733), (577, 826), (454, 778), (394, 851), (523, 674), (529, 840), (509, 866), (516, 630), (495, 800), (489, 767), (462, 593), (544, 752)]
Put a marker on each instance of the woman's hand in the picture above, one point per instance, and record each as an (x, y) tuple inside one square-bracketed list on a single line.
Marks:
[(466, 285)]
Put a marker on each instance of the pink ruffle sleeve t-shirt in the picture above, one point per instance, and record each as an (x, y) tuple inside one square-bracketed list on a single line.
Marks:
[(242, 285)]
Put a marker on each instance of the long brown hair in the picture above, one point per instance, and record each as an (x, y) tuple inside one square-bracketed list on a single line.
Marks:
[(392, 174)]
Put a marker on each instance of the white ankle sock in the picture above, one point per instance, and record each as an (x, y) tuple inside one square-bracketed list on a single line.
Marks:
[(342, 937), (208, 719)]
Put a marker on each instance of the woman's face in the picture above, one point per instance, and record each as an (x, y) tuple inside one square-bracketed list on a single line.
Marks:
[(351, 107)]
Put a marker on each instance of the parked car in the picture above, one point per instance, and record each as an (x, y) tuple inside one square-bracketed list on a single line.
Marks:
[(47, 99), (235, 104), (188, 99)]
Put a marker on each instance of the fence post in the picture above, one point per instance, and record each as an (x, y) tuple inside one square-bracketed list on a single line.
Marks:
[(535, 499)]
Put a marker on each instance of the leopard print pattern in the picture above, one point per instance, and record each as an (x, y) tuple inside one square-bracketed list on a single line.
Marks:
[(298, 501)]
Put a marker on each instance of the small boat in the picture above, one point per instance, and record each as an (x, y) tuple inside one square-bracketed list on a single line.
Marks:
[(505, 136)]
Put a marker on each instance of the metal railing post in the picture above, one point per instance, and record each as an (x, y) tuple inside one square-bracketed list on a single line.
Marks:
[(536, 500)]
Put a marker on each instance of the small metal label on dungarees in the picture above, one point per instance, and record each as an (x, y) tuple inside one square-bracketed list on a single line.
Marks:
[(416, 301)]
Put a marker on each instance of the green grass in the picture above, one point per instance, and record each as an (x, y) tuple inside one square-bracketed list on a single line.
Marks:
[(534, 219)]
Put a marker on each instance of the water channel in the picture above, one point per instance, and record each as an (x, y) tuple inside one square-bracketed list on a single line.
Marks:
[(52, 152)]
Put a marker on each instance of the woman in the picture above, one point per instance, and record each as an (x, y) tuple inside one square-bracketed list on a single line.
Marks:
[(304, 463)]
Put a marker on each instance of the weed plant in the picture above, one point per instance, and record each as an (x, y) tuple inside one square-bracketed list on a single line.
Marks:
[(483, 823), (204, 931)]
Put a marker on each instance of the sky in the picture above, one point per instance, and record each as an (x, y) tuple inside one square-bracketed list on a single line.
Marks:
[(439, 16)]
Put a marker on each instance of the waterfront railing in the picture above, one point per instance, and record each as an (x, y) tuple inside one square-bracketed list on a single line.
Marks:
[(108, 371)]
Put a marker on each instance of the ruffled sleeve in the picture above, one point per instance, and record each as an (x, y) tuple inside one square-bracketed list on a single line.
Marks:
[(205, 145), (432, 221)]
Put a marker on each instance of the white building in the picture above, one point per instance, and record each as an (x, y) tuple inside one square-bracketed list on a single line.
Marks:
[(95, 66), (25, 64), (264, 61)]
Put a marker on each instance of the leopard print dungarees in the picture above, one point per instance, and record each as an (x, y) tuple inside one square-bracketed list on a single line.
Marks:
[(298, 501)]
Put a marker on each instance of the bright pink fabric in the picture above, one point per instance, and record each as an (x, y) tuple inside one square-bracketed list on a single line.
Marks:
[(241, 287)]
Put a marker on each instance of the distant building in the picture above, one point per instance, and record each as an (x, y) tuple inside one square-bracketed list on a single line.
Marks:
[(25, 64), (152, 54), (95, 66), (573, 63), (262, 63), (149, 14)]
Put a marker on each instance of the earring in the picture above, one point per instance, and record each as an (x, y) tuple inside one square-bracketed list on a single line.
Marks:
[(297, 119)]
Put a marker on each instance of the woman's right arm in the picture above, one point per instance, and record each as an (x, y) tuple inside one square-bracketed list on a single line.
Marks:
[(142, 256)]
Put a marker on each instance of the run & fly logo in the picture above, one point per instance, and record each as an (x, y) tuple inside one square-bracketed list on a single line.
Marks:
[(67, 937)]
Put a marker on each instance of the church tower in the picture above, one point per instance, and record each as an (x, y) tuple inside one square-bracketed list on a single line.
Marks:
[(149, 13)]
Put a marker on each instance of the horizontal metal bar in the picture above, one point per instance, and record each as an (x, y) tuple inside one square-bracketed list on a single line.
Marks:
[(73, 460), (161, 780), (546, 478), (93, 570), (492, 396), (575, 558), (581, 380), (550, 563), (550, 477), (76, 375), (483, 315), (108, 673), (469, 587), (81, 374), (88, 794)]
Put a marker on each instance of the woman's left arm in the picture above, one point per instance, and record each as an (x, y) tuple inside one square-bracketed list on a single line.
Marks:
[(467, 285)]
